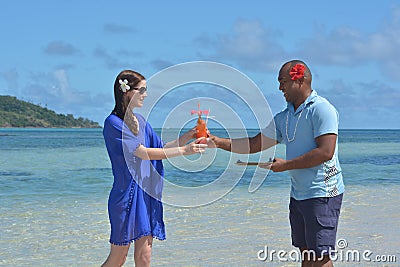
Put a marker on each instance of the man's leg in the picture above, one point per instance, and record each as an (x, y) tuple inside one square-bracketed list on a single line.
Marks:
[(321, 216), (298, 229)]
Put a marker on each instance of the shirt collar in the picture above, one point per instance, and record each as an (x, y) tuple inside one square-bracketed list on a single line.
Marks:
[(310, 99)]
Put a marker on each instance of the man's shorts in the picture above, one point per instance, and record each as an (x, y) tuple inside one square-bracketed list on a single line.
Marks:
[(314, 223)]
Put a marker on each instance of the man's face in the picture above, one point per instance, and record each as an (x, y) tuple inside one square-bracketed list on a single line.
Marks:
[(288, 87)]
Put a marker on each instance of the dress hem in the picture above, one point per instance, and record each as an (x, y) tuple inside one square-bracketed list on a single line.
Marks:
[(136, 238)]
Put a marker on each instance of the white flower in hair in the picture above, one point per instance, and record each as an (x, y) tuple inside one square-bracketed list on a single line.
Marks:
[(124, 85)]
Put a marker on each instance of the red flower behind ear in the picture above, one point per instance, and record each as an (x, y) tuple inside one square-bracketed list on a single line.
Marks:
[(297, 72)]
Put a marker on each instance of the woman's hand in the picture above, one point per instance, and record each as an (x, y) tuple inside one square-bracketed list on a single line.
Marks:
[(192, 133), (183, 139), (197, 146), (189, 135)]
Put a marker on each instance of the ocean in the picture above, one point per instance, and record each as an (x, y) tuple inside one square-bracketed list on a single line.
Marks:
[(54, 185)]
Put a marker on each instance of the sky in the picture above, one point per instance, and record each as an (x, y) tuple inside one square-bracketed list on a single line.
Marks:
[(65, 55)]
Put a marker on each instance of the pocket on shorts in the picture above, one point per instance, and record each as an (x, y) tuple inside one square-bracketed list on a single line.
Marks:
[(327, 233)]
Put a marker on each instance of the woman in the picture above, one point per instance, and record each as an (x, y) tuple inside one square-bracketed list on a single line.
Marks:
[(135, 150)]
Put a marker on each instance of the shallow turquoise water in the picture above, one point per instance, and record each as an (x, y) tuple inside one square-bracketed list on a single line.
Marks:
[(54, 185)]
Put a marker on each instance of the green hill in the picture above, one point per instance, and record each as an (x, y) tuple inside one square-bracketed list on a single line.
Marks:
[(18, 113)]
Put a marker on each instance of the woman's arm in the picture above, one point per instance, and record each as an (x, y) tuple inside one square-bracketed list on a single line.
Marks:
[(170, 152), (183, 139)]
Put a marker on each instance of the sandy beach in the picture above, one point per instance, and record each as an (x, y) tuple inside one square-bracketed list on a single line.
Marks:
[(229, 232)]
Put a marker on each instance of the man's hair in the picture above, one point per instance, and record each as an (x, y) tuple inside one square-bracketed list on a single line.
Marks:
[(292, 63)]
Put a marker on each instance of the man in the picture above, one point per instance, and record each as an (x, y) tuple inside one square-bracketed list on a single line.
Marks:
[(309, 129)]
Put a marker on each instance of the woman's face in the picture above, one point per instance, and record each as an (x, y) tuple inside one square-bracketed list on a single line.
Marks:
[(137, 98)]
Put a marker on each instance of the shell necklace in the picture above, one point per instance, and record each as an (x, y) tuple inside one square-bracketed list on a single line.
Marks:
[(295, 127)]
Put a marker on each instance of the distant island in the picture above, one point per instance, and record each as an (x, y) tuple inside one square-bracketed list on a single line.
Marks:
[(18, 113)]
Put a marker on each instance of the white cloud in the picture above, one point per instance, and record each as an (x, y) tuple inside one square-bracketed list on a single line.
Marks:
[(250, 46), (372, 103), (118, 60), (60, 48), (118, 29), (254, 47), (160, 64), (11, 78), (346, 46), (364, 105), (53, 90)]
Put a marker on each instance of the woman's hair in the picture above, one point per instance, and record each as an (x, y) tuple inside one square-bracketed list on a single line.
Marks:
[(121, 100)]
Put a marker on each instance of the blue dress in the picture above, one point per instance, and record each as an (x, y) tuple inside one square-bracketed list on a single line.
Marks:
[(134, 205)]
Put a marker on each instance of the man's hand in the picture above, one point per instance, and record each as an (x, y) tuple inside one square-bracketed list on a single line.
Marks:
[(277, 165), (212, 141)]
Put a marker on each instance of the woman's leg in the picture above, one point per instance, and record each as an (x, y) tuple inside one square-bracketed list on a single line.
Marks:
[(143, 251), (117, 256)]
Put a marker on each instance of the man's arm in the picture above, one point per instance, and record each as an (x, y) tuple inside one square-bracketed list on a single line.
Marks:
[(244, 145), (324, 151)]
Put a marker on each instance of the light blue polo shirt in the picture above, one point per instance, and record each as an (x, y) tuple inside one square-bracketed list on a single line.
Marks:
[(298, 130)]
